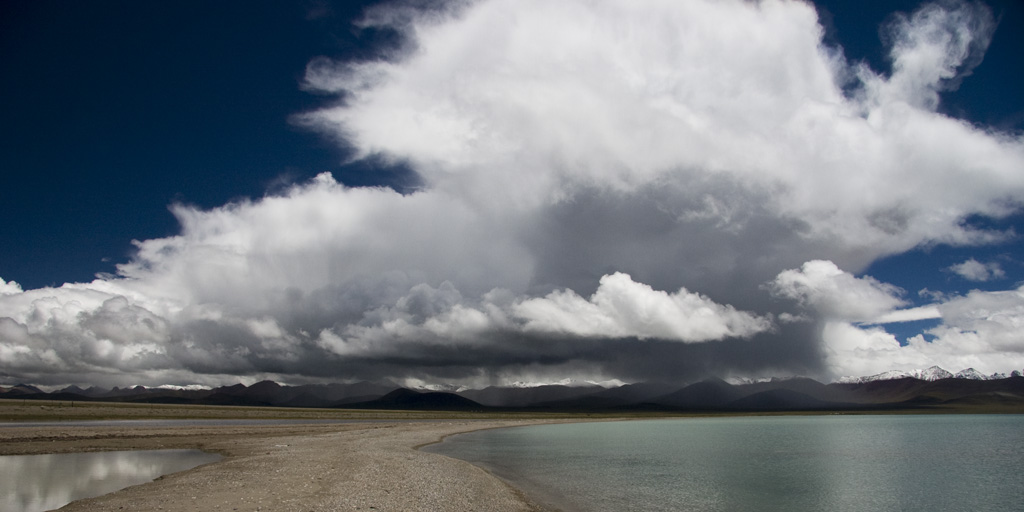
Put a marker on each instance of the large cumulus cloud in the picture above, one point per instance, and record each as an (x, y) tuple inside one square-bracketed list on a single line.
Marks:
[(607, 187)]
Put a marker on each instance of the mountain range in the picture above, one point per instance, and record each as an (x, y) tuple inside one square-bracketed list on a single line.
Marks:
[(929, 388), (929, 374)]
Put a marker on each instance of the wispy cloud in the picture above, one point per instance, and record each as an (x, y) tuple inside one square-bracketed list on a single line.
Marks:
[(974, 270)]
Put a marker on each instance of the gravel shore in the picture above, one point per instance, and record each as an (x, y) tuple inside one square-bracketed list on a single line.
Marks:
[(358, 466)]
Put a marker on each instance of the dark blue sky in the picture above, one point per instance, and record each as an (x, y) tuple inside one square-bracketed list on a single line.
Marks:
[(115, 109), (989, 96)]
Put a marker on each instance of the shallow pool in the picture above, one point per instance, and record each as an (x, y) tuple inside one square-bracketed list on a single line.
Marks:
[(30, 483)]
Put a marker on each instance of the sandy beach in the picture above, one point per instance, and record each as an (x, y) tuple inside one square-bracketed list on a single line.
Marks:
[(352, 466)]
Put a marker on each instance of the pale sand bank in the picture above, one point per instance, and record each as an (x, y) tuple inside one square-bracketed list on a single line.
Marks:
[(363, 466)]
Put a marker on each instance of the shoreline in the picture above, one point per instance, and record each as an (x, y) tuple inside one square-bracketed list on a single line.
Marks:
[(350, 466)]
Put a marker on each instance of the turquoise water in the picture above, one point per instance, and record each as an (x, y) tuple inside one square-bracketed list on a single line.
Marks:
[(792, 463), (31, 483)]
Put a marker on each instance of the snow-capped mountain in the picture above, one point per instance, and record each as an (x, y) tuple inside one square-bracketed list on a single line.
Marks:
[(929, 374), (424, 386), (743, 381), (444, 388), (972, 374), (572, 383)]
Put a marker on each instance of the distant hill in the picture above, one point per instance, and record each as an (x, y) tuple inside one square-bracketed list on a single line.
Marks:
[(937, 391), (495, 396), (809, 387), (783, 400), (19, 389), (705, 395), (407, 399)]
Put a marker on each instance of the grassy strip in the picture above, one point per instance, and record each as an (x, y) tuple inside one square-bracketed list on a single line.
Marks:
[(53, 410)]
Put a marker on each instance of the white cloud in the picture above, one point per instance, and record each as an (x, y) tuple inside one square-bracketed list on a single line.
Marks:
[(700, 146), (997, 317), (982, 330), (974, 270), (854, 351), (77, 329), (835, 294), (521, 102), (620, 308), (929, 312), (623, 308), (9, 287), (933, 49)]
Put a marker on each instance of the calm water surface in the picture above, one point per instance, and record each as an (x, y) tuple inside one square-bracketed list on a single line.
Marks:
[(30, 483), (793, 463)]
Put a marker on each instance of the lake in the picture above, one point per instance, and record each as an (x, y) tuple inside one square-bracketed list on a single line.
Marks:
[(30, 483), (792, 463)]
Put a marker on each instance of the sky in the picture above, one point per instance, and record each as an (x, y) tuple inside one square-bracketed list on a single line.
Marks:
[(483, 192)]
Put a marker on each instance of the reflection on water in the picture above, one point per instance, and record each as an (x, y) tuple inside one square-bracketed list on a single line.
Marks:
[(44, 482)]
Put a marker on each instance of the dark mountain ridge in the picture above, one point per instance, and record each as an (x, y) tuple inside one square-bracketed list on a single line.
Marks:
[(711, 395), (496, 396), (407, 399)]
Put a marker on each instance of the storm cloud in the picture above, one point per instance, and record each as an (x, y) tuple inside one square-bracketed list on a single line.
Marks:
[(609, 190)]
